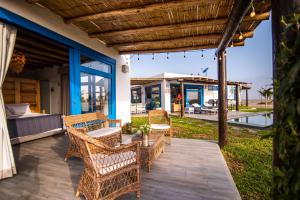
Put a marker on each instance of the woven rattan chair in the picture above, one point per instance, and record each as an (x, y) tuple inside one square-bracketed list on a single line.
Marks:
[(96, 125), (109, 172), (160, 122)]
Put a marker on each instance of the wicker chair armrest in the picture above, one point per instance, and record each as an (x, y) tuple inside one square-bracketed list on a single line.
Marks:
[(115, 121), (82, 130), (169, 121), (134, 146), (118, 152)]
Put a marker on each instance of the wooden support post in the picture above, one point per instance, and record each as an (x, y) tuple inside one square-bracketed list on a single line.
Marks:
[(237, 102), (247, 98), (222, 99), (182, 99)]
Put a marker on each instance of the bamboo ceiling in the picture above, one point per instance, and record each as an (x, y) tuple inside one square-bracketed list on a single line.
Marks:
[(154, 26)]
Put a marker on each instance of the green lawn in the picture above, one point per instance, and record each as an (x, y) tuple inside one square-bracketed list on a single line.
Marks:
[(248, 156)]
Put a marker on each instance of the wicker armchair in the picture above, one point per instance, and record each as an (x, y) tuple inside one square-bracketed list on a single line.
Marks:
[(160, 122), (96, 125), (109, 172)]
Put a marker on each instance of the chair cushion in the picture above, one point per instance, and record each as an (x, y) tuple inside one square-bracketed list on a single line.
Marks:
[(106, 164), (160, 126), (104, 131)]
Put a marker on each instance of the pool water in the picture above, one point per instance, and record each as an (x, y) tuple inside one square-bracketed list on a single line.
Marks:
[(264, 120)]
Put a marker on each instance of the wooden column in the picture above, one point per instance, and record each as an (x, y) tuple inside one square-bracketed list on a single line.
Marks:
[(182, 99), (247, 98), (222, 99), (237, 100)]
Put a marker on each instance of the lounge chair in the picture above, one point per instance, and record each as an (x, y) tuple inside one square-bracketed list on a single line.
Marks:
[(160, 122), (109, 172), (96, 125)]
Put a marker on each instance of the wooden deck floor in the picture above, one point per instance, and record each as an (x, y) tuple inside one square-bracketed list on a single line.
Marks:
[(188, 170)]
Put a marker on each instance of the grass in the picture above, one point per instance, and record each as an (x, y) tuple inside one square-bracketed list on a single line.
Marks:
[(249, 157), (250, 109)]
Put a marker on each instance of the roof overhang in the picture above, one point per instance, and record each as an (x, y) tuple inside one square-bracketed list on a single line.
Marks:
[(153, 26), (195, 80)]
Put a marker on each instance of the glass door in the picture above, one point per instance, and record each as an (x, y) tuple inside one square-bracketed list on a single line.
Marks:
[(192, 96), (95, 93)]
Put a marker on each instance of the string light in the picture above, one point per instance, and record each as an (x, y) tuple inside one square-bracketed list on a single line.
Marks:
[(202, 53), (138, 56), (152, 56), (214, 57), (241, 36), (252, 14), (225, 53), (167, 55), (184, 54), (232, 44)]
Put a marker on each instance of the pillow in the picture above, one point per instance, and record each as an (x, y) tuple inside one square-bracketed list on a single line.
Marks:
[(18, 109), (196, 105), (8, 112)]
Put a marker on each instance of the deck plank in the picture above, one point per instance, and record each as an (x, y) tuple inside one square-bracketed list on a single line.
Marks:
[(189, 169)]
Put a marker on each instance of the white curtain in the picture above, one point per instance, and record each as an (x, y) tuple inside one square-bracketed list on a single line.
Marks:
[(7, 42)]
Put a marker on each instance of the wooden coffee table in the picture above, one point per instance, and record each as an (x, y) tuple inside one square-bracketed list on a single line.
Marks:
[(153, 150)]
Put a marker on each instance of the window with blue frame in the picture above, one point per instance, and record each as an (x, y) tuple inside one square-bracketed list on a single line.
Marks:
[(212, 88), (94, 64), (95, 93), (95, 85), (153, 97)]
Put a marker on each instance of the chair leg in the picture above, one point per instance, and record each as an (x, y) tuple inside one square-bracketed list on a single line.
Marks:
[(138, 194), (66, 157), (77, 193)]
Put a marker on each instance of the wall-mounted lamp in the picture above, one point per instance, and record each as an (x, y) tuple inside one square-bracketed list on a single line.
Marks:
[(125, 69)]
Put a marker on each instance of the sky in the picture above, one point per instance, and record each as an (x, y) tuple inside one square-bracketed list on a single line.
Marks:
[(251, 63)]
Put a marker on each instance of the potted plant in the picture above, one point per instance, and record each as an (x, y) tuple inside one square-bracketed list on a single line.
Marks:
[(145, 130)]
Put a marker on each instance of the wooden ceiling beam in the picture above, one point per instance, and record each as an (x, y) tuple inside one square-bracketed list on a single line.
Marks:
[(208, 22), (236, 17), (141, 9), (24, 48), (185, 48), (40, 45), (30, 57), (176, 40)]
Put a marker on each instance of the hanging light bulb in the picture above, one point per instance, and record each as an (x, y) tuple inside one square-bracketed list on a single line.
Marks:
[(220, 58), (152, 56), (214, 57), (252, 14), (184, 54), (231, 44), (167, 55), (202, 53), (225, 53), (138, 56), (241, 36)]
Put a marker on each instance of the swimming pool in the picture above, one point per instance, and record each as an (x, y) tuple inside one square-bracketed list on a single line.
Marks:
[(258, 121)]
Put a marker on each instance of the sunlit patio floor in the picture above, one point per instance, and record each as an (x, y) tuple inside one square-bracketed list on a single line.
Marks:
[(188, 170)]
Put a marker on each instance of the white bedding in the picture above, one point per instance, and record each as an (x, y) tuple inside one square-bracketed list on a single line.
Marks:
[(25, 115)]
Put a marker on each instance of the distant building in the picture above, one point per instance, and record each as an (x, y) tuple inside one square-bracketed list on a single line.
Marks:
[(164, 91)]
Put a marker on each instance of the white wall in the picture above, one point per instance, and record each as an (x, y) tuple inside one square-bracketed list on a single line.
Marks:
[(166, 96), (208, 94), (48, 19), (123, 93)]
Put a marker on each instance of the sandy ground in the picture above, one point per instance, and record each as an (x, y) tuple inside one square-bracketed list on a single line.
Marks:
[(256, 103)]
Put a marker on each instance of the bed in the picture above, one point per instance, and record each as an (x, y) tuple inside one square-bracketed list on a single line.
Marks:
[(23, 125)]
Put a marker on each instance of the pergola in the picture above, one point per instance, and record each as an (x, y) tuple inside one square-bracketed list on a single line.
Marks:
[(152, 26)]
